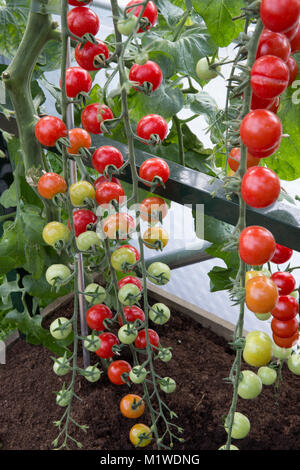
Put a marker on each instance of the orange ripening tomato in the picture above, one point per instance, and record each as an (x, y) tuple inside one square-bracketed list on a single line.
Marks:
[(286, 342), (261, 294), (51, 184), (140, 435), (132, 406), (78, 138), (156, 238), (152, 207)]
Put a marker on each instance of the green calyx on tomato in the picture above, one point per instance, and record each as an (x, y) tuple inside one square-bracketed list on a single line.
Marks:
[(165, 354), (56, 234), (167, 384), (94, 294), (127, 333), (63, 397), (137, 374), (159, 273), (159, 313), (92, 342), (61, 328), (250, 385), (61, 366), (205, 71), (57, 274), (122, 259), (129, 294), (92, 373)]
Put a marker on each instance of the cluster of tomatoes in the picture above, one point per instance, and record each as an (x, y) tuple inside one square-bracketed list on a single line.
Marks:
[(92, 225)]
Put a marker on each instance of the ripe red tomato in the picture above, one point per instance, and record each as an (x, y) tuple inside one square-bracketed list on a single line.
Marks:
[(49, 129), (286, 308), (96, 315), (103, 179), (291, 33), (275, 105), (293, 69), (154, 167), (284, 281), (107, 155), (286, 342), (115, 371), (108, 191), (295, 42), (259, 103), (108, 340), (282, 254), (82, 218), (79, 138), (153, 124), (77, 80), (93, 115), (269, 76), (86, 55), (51, 184), (256, 246), (280, 15), (82, 20), (150, 72), (261, 294), (77, 3), (261, 132), (286, 328), (135, 251), (130, 280), (235, 158), (260, 187), (132, 314), (150, 13), (275, 44), (141, 340), (151, 207)]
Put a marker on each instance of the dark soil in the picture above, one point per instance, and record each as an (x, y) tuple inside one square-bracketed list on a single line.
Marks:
[(200, 362)]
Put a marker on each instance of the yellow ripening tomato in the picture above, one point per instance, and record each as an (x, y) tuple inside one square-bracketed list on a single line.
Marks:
[(54, 232), (251, 274), (81, 191), (140, 435), (153, 235), (258, 349)]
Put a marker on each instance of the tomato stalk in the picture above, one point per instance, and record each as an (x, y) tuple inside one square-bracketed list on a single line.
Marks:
[(241, 276)]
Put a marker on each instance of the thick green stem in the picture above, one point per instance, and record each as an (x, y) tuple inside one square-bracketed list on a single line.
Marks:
[(17, 79)]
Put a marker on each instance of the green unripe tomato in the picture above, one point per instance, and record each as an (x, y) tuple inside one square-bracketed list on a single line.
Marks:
[(92, 373), (59, 272), (63, 397), (203, 70), (267, 375), (141, 58), (168, 385), (95, 289), (241, 426), (165, 355), (61, 366), (126, 25), (129, 294), (250, 386), (231, 447), (281, 353), (159, 313), (92, 343), (294, 363), (127, 334), (87, 239), (159, 273), (263, 316), (137, 374), (60, 328)]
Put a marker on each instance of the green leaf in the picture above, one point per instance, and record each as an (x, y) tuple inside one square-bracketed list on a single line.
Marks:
[(220, 278), (9, 197), (193, 44), (165, 101), (171, 13), (40, 289), (13, 17), (165, 62), (218, 15), (33, 226), (203, 104), (35, 259)]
